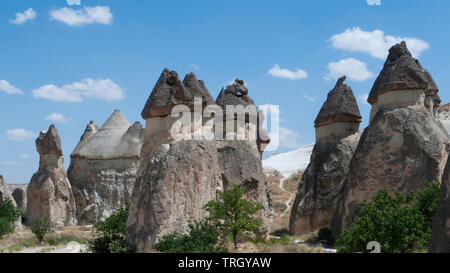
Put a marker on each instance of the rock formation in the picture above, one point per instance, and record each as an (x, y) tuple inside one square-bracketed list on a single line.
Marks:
[(178, 176), (337, 136), (4, 190), (443, 115), (240, 160), (103, 167), (440, 236), (20, 197), (49, 193), (404, 145), (5, 193)]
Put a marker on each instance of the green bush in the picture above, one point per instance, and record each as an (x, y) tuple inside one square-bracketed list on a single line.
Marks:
[(41, 227), (8, 215), (110, 234), (202, 238), (400, 223)]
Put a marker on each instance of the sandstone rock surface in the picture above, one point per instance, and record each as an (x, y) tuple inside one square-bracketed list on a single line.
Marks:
[(4, 190), (49, 193), (20, 197), (103, 167)]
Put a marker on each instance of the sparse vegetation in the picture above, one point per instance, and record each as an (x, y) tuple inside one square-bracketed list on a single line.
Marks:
[(110, 234), (9, 214), (202, 238), (41, 227), (400, 223)]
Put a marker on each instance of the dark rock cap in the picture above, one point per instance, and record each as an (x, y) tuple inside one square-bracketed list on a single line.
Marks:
[(401, 72), (340, 106), (49, 142), (169, 91), (234, 94)]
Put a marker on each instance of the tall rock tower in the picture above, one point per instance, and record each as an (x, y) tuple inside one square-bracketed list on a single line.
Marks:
[(337, 136), (404, 146), (103, 167), (49, 193), (176, 177), (240, 160)]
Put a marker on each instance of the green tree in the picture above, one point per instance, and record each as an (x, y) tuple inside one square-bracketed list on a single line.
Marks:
[(400, 223), (234, 215), (110, 234), (202, 238), (41, 227), (9, 214)]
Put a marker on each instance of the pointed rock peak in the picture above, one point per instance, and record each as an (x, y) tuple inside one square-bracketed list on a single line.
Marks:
[(169, 91), (340, 81), (340, 106), (401, 72), (137, 125), (399, 50), (116, 120), (49, 142), (234, 94), (237, 88), (91, 127)]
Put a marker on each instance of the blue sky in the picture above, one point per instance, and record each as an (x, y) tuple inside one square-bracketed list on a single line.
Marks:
[(69, 64)]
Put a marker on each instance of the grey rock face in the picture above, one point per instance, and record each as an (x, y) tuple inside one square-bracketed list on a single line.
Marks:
[(49, 193), (443, 115), (20, 196), (169, 91), (240, 164), (440, 236), (175, 181), (5, 193), (4, 190), (401, 150), (104, 166), (319, 194)]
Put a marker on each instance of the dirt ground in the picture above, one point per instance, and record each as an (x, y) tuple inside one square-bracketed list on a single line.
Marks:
[(72, 239)]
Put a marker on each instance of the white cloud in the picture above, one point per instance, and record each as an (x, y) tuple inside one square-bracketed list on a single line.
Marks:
[(278, 72), (22, 17), (20, 135), (196, 67), (53, 92), (73, 2), (313, 99), (9, 163), (86, 15), (363, 99), (374, 2), (25, 156), (286, 139), (5, 86), (104, 89), (375, 43), (352, 68), (56, 117)]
